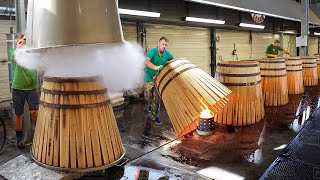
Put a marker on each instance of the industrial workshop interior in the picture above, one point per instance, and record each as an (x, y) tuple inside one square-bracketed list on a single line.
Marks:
[(159, 89)]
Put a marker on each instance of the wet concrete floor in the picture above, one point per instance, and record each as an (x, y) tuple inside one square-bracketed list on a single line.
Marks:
[(231, 153), (155, 152)]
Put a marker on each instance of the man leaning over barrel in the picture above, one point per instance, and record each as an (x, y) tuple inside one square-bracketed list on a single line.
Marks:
[(274, 48), (156, 58), (24, 88)]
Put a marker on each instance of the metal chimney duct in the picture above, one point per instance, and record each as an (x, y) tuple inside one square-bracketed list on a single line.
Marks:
[(20, 16), (69, 22), (60, 143)]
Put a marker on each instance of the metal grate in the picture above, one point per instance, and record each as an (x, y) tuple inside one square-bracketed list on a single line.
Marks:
[(309, 137), (304, 153), (286, 169)]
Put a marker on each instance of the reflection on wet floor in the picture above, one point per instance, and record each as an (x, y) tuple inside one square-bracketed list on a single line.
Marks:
[(155, 152), (239, 152)]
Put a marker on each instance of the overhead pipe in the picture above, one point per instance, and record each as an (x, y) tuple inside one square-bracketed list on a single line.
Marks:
[(20, 16)]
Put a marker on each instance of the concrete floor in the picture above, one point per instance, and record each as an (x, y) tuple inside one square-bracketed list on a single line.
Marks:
[(155, 152)]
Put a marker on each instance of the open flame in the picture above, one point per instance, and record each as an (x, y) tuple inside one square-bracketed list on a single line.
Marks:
[(206, 112)]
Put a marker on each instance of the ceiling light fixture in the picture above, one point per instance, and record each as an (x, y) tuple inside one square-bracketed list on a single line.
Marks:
[(251, 26), (138, 13), (211, 21), (316, 33)]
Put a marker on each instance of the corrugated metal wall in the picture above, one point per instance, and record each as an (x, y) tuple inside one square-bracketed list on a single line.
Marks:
[(289, 43), (260, 41), (184, 42), (227, 40), (313, 45), (129, 31), (5, 94), (249, 45)]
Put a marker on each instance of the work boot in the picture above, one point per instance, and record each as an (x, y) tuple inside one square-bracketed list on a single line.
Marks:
[(157, 121), (20, 143)]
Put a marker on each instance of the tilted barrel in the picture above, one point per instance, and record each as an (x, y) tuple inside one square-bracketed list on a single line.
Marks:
[(182, 86)]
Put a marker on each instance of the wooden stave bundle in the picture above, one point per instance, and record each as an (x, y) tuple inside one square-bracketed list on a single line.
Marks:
[(309, 71), (294, 75), (89, 148), (179, 80), (274, 81), (242, 77), (318, 64)]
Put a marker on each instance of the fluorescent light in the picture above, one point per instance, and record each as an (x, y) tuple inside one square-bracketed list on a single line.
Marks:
[(219, 5), (212, 21), (244, 9), (289, 32), (138, 13), (251, 25), (315, 33)]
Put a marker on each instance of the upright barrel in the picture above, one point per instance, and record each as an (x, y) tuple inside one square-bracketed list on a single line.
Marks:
[(318, 64), (294, 75), (244, 80), (76, 129), (309, 71), (274, 81), (185, 90)]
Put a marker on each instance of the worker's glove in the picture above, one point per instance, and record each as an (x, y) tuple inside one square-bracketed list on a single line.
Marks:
[(158, 68)]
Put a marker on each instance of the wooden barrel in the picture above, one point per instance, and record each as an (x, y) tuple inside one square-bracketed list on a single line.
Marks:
[(318, 65), (76, 130), (309, 71), (274, 81), (294, 75), (244, 79), (181, 85)]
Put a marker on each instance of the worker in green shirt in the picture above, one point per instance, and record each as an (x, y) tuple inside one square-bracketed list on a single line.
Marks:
[(273, 50), (156, 58), (24, 88)]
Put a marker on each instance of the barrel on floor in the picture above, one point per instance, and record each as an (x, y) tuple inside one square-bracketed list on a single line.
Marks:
[(244, 79), (274, 81), (76, 129), (294, 74), (309, 70)]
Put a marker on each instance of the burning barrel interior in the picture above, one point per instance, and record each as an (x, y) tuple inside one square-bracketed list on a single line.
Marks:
[(186, 91), (243, 78), (76, 129)]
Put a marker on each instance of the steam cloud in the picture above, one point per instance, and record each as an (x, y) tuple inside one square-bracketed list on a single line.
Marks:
[(120, 64)]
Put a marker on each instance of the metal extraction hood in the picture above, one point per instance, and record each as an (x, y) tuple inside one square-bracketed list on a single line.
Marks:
[(284, 9)]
